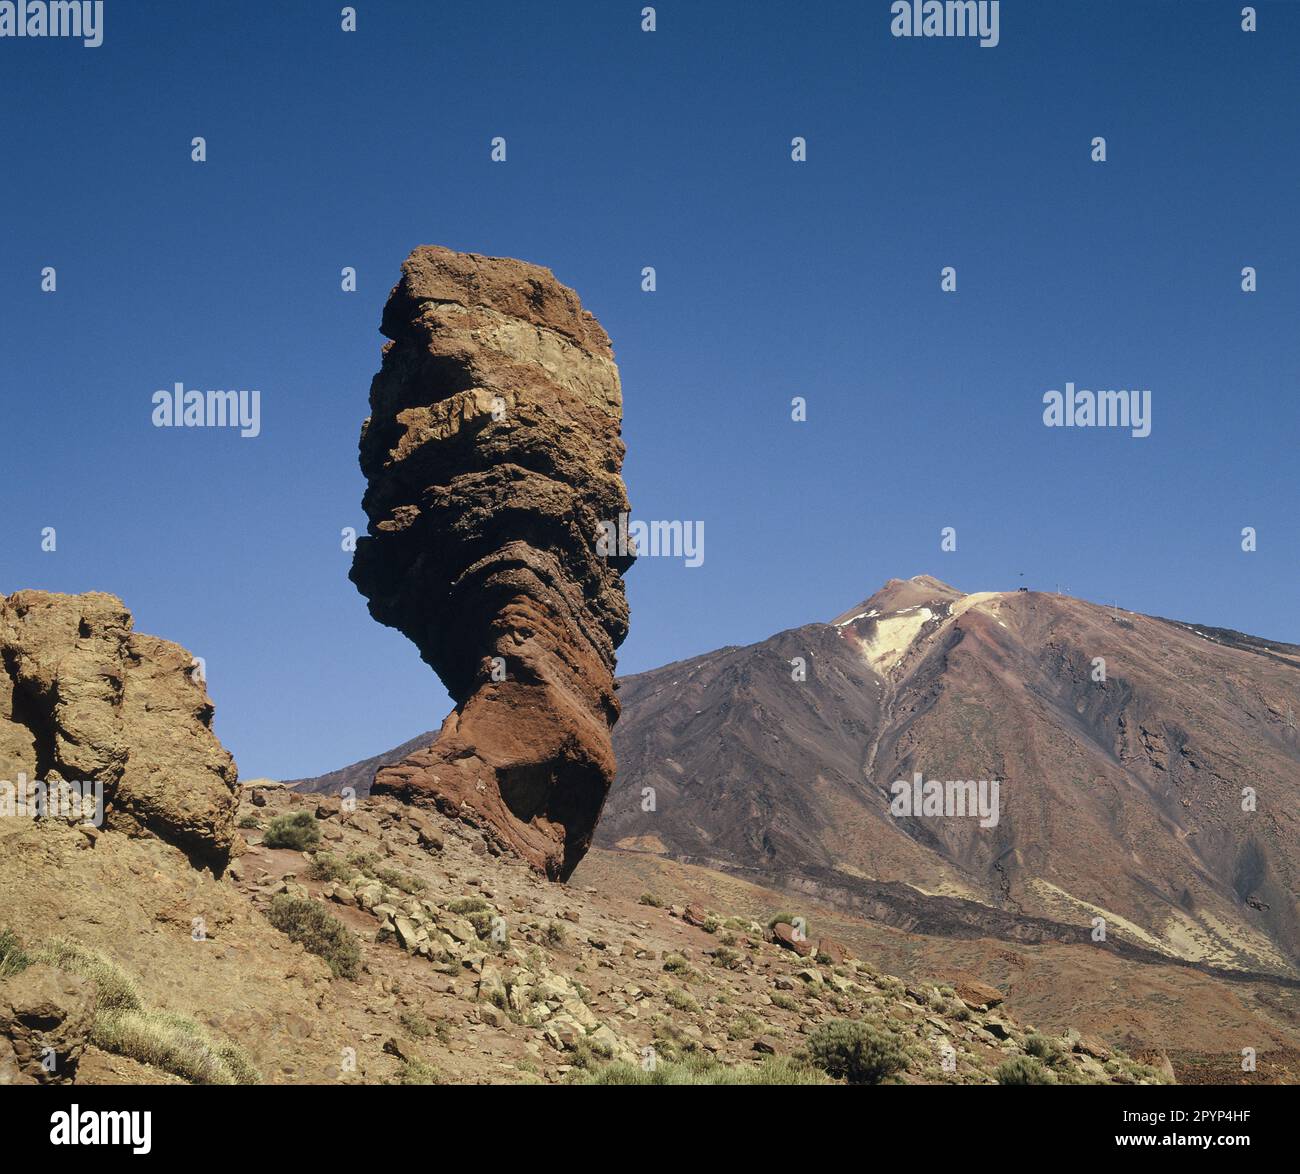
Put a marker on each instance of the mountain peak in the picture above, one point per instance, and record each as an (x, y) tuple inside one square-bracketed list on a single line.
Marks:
[(900, 594)]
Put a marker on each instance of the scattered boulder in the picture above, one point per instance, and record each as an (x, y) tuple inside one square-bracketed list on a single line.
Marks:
[(978, 996), (787, 936), (492, 457)]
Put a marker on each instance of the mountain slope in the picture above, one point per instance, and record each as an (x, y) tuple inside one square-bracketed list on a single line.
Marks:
[(1120, 798)]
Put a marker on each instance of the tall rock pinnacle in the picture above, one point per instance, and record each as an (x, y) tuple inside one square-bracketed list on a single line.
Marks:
[(492, 457)]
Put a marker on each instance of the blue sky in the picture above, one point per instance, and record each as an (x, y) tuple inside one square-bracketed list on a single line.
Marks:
[(775, 279)]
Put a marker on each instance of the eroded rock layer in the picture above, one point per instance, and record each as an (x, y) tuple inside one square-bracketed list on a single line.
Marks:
[(85, 699), (492, 456)]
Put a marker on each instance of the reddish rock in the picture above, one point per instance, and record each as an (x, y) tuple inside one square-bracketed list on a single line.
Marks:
[(695, 915), (832, 951), (785, 935), (976, 994), (492, 456)]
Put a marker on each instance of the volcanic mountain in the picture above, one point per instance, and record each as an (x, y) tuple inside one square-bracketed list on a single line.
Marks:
[(1148, 773)]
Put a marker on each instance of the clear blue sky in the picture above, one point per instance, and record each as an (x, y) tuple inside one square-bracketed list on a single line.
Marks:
[(776, 279)]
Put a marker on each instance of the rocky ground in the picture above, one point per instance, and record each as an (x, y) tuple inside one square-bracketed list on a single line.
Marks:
[(462, 966)]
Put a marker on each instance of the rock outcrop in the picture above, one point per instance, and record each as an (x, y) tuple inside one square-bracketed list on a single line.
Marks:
[(46, 1015), (492, 455), (85, 699)]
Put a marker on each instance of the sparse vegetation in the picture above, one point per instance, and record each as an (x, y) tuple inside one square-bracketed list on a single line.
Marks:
[(13, 960), (403, 882), (744, 1025), (465, 905), (296, 830), (698, 1070), (174, 1044), (728, 959), (162, 1039), (249, 820), (418, 1072), (318, 931), (115, 989), (555, 934), (856, 1052), (1042, 1048), (1023, 1070), (652, 900), (681, 1000), (327, 867), (414, 1024)]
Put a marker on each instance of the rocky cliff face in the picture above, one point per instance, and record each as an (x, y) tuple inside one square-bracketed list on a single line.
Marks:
[(492, 456), (85, 699)]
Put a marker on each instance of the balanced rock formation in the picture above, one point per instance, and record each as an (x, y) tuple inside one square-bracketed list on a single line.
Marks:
[(492, 456), (85, 699)]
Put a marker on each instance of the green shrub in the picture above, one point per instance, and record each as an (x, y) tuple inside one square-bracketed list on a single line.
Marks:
[(416, 1025), (555, 934), (174, 1044), (296, 830), (115, 989), (676, 964), (327, 867), (1023, 1070), (784, 918), (728, 959), (463, 905), (854, 1051), (249, 821), (681, 1000), (651, 900), (418, 1072), (483, 921), (410, 885), (744, 1025), (318, 931), (1042, 1048)]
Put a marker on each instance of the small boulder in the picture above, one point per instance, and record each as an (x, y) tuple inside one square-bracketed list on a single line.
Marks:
[(832, 951), (978, 995), (787, 936)]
